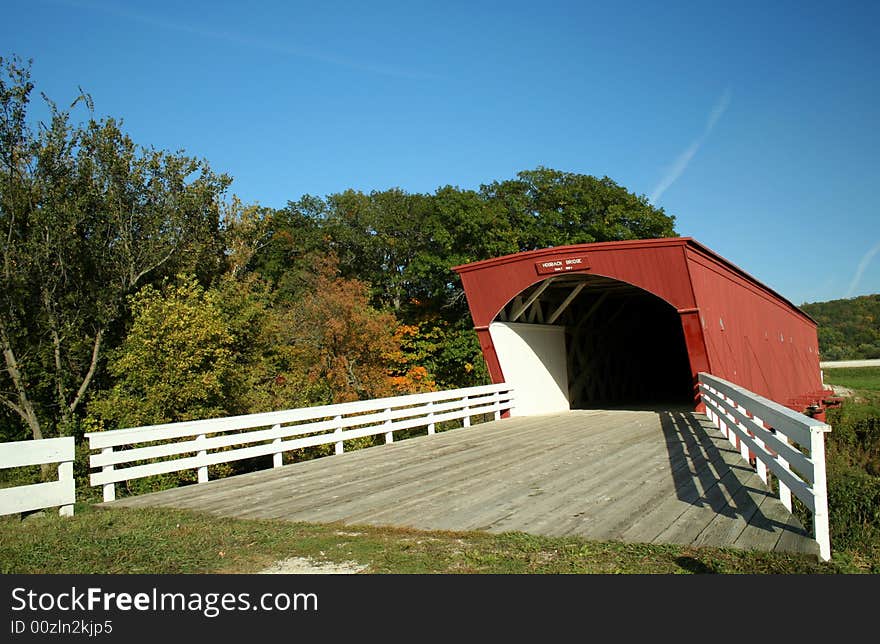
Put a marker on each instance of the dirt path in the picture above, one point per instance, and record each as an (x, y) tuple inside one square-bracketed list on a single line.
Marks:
[(306, 566)]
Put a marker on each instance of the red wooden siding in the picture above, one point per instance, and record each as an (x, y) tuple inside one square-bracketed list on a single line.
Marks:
[(753, 336), (766, 344)]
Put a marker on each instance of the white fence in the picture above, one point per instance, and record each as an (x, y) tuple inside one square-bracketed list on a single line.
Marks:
[(25, 498), (200, 443), (786, 444), (843, 364)]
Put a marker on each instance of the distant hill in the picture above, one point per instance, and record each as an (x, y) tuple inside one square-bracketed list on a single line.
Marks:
[(848, 329)]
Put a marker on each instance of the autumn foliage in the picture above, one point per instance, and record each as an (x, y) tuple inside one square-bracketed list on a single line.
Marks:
[(196, 353), (350, 348)]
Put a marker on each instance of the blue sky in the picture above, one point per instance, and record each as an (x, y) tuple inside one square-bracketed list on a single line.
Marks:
[(755, 124)]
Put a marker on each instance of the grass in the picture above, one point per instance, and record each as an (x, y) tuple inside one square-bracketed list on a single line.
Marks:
[(864, 382), (866, 379), (853, 458), (166, 541)]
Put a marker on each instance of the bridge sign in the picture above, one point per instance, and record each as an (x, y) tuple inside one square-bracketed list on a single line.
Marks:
[(562, 265)]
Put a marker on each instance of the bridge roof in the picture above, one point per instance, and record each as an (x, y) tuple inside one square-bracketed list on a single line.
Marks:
[(632, 244)]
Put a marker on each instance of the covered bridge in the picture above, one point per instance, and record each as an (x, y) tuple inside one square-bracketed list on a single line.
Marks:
[(634, 322)]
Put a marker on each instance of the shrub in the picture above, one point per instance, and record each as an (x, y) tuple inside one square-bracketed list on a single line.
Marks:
[(854, 506)]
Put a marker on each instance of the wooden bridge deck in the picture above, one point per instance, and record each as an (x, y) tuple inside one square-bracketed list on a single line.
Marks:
[(640, 476)]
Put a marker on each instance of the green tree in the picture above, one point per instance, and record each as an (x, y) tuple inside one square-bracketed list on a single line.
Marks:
[(554, 208), (176, 363), (405, 245), (377, 237), (236, 348), (88, 217), (849, 329), (289, 246)]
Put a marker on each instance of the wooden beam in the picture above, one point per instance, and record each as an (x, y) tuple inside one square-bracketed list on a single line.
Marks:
[(610, 319), (531, 299), (568, 300), (593, 308), (536, 313)]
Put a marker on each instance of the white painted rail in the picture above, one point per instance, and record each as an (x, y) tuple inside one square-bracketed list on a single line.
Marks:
[(844, 364), (38, 496), (784, 443), (197, 444)]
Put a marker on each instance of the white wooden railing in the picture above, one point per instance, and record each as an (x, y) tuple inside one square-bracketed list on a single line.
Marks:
[(784, 443), (25, 498), (200, 443)]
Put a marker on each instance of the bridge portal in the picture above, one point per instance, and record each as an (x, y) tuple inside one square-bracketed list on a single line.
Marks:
[(633, 323)]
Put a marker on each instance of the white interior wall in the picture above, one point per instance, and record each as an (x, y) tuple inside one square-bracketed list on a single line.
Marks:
[(533, 360)]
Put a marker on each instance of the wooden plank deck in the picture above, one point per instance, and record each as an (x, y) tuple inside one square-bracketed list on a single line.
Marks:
[(639, 476)]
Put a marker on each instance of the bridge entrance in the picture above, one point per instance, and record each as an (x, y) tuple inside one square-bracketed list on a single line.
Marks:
[(584, 341), (636, 321)]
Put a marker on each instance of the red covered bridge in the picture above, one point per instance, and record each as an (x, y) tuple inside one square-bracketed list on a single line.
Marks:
[(603, 352), (605, 324)]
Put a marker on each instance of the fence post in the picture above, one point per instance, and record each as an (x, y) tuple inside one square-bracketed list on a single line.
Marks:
[(743, 448), (760, 467), (65, 473), (109, 488), (277, 457), (710, 414), (715, 418), (497, 400), (820, 494), (431, 427), (731, 437), (389, 435), (784, 490), (734, 439), (713, 415), (466, 421), (339, 447), (203, 470)]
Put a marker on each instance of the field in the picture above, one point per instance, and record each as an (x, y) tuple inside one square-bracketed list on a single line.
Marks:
[(865, 379)]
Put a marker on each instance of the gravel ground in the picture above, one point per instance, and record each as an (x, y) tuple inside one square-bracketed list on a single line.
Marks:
[(306, 566), (846, 392)]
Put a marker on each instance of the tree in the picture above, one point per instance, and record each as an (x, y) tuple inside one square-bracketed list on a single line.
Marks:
[(405, 245), (287, 247), (377, 237), (554, 208), (177, 362), (849, 329), (348, 349), (87, 218), (234, 348)]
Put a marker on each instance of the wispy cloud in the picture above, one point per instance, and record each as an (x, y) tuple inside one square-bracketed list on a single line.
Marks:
[(860, 269), (251, 42), (683, 160)]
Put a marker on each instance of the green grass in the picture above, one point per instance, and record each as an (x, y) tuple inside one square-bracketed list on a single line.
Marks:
[(862, 378), (852, 452), (165, 541)]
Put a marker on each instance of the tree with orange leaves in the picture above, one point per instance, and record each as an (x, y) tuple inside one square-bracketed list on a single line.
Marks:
[(349, 348)]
